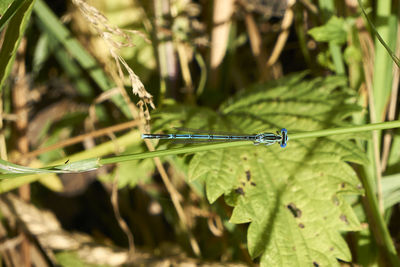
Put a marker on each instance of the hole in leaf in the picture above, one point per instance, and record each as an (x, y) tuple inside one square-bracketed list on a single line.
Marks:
[(248, 175), (296, 212), (335, 200), (344, 218)]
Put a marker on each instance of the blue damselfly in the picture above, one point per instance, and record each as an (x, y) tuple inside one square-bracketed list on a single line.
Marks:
[(262, 138)]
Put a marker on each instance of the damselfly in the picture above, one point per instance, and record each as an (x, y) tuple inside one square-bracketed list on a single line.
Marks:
[(262, 138)]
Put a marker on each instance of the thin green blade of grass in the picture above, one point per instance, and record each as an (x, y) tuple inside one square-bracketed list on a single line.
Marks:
[(4, 5), (51, 24), (12, 38), (73, 71), (329, 9), (377, 223), (12, 181), (295, 136), (383, 64), (375, 31), (69, 167), (301, 31), (10, 12), (90, 164)]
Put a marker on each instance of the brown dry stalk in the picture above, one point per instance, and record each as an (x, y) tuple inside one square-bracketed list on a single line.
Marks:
[(222, 13), (108, 33), (282, 38), (124, 226), (80, 138), (256, 45), (20, 98)]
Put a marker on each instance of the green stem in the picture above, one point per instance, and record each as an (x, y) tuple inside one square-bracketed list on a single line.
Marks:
[(199, 148), (377, 223), (328, 9), (347, 130)]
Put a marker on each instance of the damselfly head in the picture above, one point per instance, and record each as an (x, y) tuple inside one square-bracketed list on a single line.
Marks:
[(284, 137)]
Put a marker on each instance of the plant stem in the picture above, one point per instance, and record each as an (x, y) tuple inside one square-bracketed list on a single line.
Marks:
[(377, 223), (198, 148), (347, 130)]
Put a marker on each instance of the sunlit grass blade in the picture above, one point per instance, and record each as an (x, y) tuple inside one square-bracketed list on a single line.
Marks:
[(18, 179), (328, 10), (8, 168), (10, 12), (390, 52), (12, 38), (13, 170)]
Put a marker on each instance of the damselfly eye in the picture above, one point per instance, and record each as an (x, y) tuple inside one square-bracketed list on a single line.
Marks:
[(284, 138)]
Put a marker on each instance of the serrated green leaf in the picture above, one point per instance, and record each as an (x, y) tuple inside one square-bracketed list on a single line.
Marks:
[(221, 177), (293, 197), (333, 31), (130, 173)]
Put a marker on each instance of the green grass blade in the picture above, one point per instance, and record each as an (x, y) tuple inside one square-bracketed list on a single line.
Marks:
[(18, 179), (328, 7), (4, 5), (10, 12), (378, 224), (12, 38), (386, 29), (389, 51), (90, 164), (74, 71)]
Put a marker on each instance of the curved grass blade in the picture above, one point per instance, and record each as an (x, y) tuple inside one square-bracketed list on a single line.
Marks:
[(10, 170), (390, 52), (10, 12), (12, 38)]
